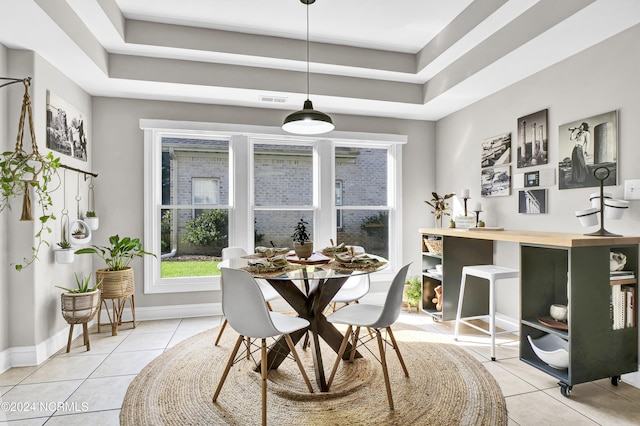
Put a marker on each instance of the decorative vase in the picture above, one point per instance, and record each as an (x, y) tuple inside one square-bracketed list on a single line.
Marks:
[(437, 221), (303, 251)]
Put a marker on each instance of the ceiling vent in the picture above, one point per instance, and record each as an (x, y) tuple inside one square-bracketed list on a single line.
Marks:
[(274, 99)]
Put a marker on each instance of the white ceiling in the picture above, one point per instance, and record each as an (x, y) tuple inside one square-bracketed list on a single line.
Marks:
[(416, 59)]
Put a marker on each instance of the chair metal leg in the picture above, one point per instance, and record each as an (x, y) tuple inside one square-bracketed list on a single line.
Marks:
[(397, 349), (343, 346), (224, 324), (385, 372), (463, 281), (294, 353), (263, 362), (492, 318), (228, 367)]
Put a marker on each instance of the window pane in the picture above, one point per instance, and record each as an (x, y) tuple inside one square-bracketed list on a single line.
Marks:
[(363, 173), (276, 227), (283, 175), (366, 228), (192, 246), (195, 171)]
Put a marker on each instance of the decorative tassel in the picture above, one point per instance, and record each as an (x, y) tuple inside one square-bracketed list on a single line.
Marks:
[(26, 204)]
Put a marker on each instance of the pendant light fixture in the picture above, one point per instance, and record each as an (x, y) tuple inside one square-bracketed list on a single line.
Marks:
[(308, 121)]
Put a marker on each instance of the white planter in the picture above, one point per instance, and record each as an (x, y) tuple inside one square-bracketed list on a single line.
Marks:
[(64, 256), (595, 198), (588, 217), (614, 209), (93, 222), (79, 240)]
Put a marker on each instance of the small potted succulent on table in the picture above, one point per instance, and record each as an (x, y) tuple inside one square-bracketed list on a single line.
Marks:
[(302, 244)]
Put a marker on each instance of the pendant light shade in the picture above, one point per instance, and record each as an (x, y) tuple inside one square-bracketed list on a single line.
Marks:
[(308, 121)]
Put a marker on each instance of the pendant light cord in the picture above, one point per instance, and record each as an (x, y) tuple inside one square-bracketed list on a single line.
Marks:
[(308, 89)]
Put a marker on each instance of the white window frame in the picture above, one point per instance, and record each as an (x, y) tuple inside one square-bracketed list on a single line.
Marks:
[(241, 208)]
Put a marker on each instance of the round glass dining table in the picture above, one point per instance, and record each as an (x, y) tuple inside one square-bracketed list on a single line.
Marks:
[(308, 287)]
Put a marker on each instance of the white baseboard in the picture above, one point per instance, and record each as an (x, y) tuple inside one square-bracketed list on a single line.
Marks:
[(24, 356)]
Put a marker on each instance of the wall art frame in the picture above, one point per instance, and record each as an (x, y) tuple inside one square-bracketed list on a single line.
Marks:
[(66, 128), (496, 151), (495, 181), (533, 139), (532, 201), (583, 146)]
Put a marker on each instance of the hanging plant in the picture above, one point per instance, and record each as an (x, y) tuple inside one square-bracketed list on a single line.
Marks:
[(22, 173)]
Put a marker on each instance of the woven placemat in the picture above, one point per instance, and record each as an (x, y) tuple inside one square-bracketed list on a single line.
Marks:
[(447, 386)]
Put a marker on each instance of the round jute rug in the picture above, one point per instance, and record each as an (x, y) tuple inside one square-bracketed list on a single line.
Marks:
[(446, 386)]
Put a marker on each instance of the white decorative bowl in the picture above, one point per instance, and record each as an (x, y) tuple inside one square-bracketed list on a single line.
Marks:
[(551, 349), (558, 312)]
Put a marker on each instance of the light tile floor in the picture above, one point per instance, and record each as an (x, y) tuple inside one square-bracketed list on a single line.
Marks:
[(87, 388)]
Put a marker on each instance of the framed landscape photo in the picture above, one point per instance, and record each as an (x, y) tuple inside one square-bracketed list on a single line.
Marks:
[(496, 181), (496, 151), (533, 139), (532, 201), (584, 145), (66, 128)]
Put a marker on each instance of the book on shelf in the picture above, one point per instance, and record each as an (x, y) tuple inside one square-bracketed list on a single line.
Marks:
[(623, 306), (622, 275)]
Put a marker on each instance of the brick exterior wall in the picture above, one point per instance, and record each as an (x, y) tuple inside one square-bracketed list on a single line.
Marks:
[(282, 176)]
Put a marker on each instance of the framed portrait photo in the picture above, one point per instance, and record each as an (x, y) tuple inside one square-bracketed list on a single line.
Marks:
[(66, 128)]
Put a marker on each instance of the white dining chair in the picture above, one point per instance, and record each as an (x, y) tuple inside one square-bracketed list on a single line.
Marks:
[(376, 318), (245, 309), (354, 288), (268, 292)]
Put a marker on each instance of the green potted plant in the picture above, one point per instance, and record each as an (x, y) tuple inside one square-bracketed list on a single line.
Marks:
[(64, 254), (92, 220), (22, 173), (117, 278), (80, 305), (439, 206), (302, 244), (413, 292)]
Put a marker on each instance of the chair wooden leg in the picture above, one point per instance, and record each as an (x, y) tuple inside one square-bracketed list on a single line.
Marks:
[(385, 372), (269, 306), (343, 346), (397, 349), (292, 348), (228, 367), (263, 369), (354, 344), (224, 324), (248, 340), (70, 336)]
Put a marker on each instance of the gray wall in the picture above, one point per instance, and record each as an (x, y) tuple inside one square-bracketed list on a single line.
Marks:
[(118, 148), (598, 80), (30, 315)]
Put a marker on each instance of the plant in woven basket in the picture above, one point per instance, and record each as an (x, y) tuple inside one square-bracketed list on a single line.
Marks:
[(22, 173), (119, 253), (83, 285)]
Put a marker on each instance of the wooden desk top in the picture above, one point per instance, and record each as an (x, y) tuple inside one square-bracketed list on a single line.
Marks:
[(558, 239)]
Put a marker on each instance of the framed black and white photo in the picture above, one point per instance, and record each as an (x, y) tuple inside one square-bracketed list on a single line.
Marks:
[(495, 181), (584, 145), (532, 179), (532, 201), (533, 139), (66, 128), (496, 151)]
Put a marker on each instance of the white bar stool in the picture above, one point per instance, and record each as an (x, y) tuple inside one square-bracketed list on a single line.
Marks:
[(491, 273)]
